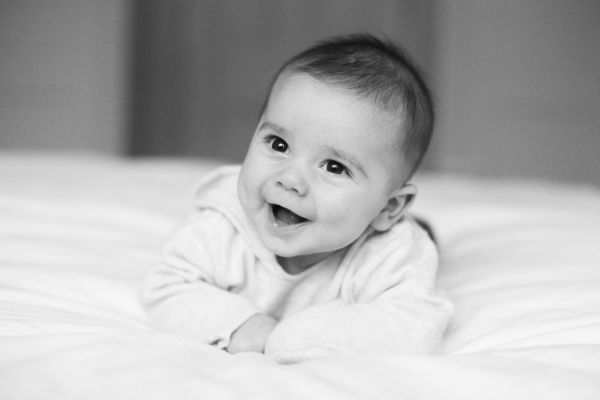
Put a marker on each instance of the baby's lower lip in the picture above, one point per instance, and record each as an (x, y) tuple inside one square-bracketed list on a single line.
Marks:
[(283, 218)]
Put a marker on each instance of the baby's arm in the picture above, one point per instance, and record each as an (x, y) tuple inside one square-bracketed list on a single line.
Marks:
[(401, 325), (190, 293), (390, 305)]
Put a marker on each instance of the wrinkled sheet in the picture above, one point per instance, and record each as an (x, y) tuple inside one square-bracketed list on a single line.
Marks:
[(520, 261)]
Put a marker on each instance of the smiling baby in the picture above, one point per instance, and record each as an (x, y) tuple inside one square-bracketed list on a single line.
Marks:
[(306, 250)]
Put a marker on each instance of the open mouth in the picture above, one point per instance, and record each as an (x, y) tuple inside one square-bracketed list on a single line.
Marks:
[(285, 217)]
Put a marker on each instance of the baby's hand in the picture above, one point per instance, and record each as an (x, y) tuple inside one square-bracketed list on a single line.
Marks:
[(252, 335)]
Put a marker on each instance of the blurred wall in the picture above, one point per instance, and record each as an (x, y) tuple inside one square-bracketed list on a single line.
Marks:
[(202, 67), (517, 81), (519, 88), (63, 74)]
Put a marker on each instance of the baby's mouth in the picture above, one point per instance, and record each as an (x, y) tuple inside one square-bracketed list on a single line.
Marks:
[(285, 217)]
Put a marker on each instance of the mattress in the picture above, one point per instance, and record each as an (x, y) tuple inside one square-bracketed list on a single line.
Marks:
[(520, 261)]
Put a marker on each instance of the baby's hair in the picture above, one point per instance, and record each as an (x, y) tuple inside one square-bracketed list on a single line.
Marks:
[(378, 71)]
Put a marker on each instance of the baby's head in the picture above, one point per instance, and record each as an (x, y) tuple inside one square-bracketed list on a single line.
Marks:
[(383, 75), (345, 125)]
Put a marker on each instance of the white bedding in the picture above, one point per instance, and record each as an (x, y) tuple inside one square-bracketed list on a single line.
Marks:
[(520, 260)]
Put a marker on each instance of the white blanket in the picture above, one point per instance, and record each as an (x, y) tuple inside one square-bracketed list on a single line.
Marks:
[(520, 260)]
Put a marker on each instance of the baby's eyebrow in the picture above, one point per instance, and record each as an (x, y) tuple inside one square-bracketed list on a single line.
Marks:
[(346, 157), (272, 126)]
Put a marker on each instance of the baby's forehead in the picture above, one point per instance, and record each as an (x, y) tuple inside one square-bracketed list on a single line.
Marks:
[(386, 125), (385, 111)]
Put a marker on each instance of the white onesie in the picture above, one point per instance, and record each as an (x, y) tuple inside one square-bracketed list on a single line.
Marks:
[(377, 295)]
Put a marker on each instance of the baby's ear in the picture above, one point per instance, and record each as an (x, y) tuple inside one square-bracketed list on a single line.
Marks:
[(399, 201)]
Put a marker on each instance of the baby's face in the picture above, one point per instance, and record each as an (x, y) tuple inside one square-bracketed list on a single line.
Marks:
[(318, 170)]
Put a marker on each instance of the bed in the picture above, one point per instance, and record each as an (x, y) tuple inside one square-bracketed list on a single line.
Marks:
[(520, 260)]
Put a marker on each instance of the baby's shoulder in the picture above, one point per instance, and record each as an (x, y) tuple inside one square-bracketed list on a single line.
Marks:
[(202, 225), (216, 195), (404, 234), (221, 181), (405, 244), (403, 256)]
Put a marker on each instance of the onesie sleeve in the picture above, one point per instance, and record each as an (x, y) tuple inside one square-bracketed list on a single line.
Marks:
[(191, 291), (390, 306)]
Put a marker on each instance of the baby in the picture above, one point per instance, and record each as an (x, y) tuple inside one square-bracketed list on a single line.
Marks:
[(306, 251)]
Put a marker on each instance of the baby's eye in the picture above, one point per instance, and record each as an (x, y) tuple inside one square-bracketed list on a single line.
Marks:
[(335, 167), (277, 144)]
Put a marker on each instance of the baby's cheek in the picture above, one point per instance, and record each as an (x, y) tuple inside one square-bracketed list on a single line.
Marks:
[(345, 224), (247, 197)]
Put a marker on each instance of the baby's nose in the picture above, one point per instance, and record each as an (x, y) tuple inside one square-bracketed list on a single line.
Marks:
[(292, 180)]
